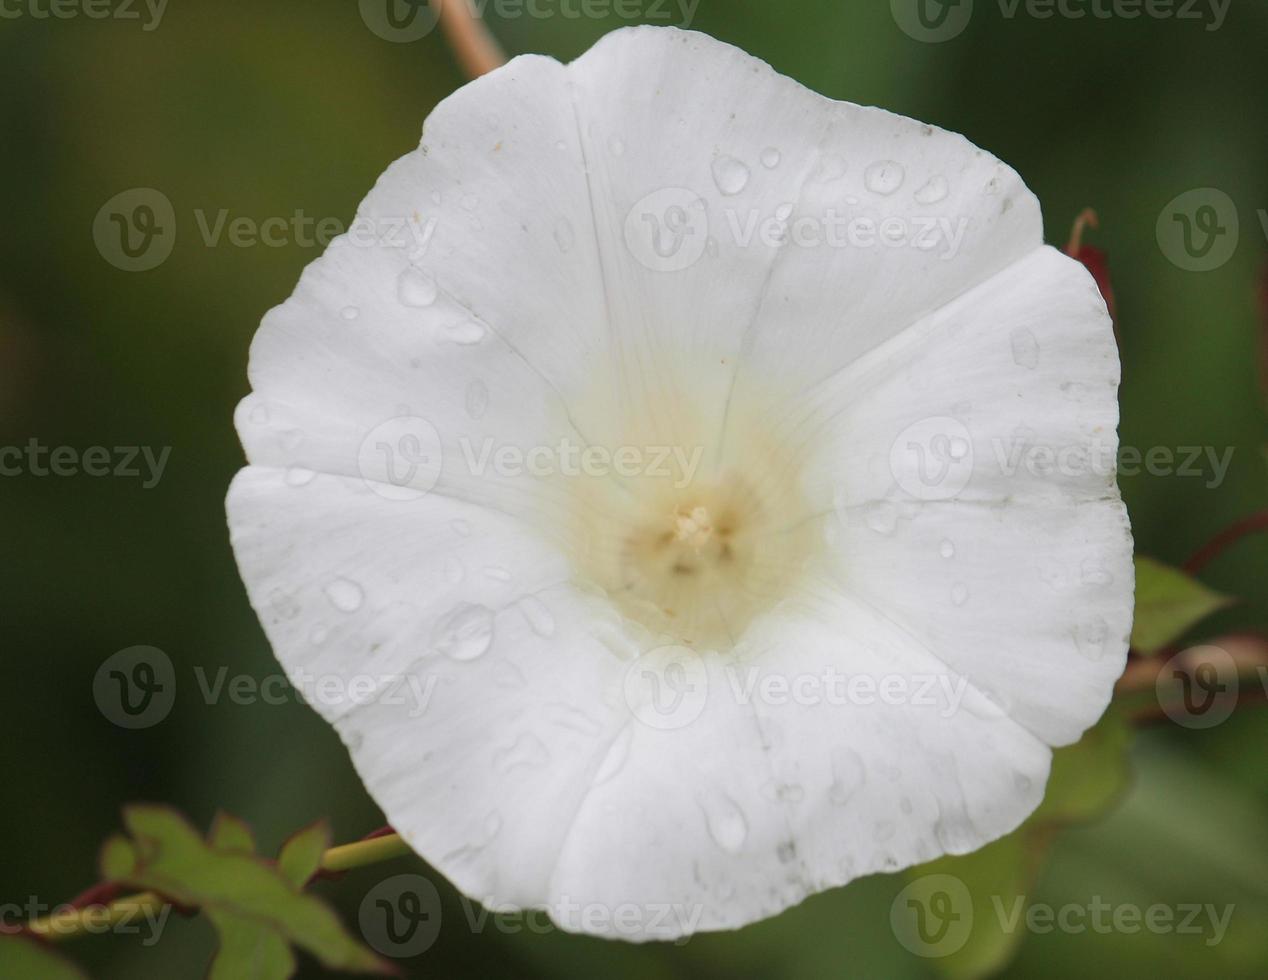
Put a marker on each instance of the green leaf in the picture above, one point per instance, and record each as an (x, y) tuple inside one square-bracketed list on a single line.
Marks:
[(22, 956), (249, 950), (300, 856), (1168, 604), (228, 833), (260, 910), (1087, 778)]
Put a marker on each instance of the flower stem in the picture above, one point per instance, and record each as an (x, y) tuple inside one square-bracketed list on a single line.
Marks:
[(473, 44), (68, 923)]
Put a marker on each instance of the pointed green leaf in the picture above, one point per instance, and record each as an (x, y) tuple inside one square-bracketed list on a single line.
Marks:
[(249, 950), (228, 833), (300, 856), (22, 956), (1168, 604), (168, 856)]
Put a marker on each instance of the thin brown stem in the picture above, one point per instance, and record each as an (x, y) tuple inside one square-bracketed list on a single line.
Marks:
[(477, 51), (1226, 539)]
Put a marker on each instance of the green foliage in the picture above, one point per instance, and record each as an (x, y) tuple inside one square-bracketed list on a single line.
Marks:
[(258, 908), (1086, 779), (1168, 604), (21, 956)]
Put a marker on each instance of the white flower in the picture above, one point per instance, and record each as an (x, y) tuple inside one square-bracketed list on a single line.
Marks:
[(684, 493)]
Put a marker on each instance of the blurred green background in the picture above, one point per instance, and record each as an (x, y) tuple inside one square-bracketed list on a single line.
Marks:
[(271, 109)]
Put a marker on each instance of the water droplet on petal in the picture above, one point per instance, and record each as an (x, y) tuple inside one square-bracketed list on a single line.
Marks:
[(345, 595), (771, 157), (959, 593), (730, 174), (259, 415), (527, 752), (284, 604), (617, 146), (947, 548), (1025, 348), (1092, 637), (565, 238), (298, 476), (725, 821), (848, 776), (477, 399), (882, 517), (465, 633), (616, 758), (934, 190), (1093, 572), (498, 573), (417, 288), (833, 167), (884, 177), (319, 635), (350, 312), (465, 332), (538, 616)]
